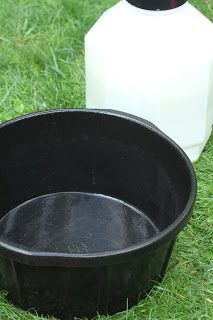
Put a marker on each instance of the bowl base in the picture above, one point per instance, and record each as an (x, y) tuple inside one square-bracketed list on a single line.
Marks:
[(75, 223)]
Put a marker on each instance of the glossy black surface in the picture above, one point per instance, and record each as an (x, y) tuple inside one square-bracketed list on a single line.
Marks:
[(69, 292), (75, 223), (157, 4), (116, 251)]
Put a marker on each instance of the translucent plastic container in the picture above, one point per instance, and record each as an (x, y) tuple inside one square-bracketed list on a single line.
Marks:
[(155, 62)]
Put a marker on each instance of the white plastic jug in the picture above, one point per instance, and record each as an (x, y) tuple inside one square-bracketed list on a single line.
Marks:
[(154, 59)]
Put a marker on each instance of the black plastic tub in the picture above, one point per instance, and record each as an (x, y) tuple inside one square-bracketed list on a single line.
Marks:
[(91, 204)]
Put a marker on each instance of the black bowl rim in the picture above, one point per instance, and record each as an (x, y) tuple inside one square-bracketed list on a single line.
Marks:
[(111, 257)]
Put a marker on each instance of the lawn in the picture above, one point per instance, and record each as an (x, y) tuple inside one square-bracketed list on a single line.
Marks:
[(42, 67)]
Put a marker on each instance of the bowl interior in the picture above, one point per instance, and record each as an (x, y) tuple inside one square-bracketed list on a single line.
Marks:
[(129, 182)]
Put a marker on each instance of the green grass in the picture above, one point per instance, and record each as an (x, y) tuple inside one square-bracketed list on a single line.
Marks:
[(42, 67)]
